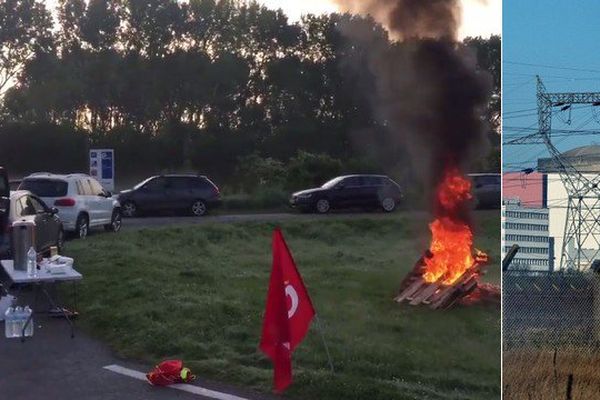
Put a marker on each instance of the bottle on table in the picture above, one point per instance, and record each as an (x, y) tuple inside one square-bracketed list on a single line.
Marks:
[(31, 262)]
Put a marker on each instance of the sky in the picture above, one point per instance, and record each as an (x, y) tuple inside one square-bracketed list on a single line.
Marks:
[(558, 40), (480, 17)]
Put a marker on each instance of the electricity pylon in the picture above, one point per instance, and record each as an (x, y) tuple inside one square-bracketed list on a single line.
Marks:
[(581, 238)]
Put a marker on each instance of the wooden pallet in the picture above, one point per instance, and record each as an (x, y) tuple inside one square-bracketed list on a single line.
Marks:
[(437, 295)]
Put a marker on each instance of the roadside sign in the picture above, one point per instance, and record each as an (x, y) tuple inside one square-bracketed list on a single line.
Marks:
[(102, 167)]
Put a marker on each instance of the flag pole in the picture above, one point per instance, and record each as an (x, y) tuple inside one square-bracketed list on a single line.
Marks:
[(320, 329)]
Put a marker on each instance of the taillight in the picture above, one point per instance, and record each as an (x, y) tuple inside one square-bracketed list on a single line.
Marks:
[(66, 202)]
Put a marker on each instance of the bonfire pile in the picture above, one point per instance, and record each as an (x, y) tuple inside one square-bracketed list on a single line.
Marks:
[(449, 272)]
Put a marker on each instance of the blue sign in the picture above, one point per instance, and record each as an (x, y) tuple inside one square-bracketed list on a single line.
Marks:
[(102, 167)]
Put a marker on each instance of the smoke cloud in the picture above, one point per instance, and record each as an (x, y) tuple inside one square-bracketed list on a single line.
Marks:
[(429, 93), (409, 19)]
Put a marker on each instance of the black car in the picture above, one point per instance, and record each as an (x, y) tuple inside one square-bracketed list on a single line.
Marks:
[(194, 194), (25, 206), (486, 190), (363, 191)]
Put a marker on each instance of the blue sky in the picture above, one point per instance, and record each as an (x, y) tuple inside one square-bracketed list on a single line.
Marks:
[(560, 41)]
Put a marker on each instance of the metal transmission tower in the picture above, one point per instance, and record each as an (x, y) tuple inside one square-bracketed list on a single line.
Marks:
[(581, 239)]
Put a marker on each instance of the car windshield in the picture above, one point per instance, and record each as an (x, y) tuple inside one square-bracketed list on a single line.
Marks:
[(45, 187), (332, 183), (142, 183)]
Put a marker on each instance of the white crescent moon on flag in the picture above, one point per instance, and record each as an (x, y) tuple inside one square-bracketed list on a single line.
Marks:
[(291, 292)]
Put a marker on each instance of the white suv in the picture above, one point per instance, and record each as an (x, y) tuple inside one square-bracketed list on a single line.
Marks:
[(81, 201)]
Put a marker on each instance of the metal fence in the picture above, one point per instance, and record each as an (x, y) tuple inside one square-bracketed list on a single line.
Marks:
[(558, 309)]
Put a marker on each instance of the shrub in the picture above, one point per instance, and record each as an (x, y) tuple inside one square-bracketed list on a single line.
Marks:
[(254, 173), (263, 199), (26, 148), (307, 170)]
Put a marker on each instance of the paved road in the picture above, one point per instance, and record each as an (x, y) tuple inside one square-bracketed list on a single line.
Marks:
[(51, 365)]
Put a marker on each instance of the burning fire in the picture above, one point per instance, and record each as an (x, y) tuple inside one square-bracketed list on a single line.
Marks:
[(452, 239)]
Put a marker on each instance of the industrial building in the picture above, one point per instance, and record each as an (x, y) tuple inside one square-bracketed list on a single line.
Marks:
[(534, 210), (528, 228)]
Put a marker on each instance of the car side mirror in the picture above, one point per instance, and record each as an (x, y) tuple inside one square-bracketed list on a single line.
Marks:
[(53, 211)]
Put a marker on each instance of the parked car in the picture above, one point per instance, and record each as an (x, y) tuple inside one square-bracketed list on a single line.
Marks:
[(194, 194), (25, 206), (350, 191), (81, 201), (486, 190)]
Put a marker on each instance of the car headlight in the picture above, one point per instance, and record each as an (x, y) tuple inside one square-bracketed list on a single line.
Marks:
[(305, 196)]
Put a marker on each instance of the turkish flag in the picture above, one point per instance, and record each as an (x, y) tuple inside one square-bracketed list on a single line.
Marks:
[(288, 313)]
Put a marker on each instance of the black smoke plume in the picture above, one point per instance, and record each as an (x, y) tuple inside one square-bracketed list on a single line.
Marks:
[(429, 93)]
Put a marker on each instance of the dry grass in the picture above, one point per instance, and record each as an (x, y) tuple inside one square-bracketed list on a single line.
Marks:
[(534, 375)]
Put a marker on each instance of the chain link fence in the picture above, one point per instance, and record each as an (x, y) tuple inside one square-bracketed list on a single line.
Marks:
[(551, 309)]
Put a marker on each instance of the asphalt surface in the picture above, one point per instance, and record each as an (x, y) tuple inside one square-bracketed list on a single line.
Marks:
[(52, 365)]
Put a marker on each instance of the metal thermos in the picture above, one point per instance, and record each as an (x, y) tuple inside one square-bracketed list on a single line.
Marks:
[(23, 238)]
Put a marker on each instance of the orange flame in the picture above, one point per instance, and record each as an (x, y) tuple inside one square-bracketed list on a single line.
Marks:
[(452, 240)]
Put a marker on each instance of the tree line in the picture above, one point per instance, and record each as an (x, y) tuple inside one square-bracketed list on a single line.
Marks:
[(205, 85)]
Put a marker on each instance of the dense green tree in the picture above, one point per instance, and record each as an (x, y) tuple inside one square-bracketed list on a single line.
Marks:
[(25, 30), (204, 84)]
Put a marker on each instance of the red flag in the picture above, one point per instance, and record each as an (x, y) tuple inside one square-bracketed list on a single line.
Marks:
[(288, 313)]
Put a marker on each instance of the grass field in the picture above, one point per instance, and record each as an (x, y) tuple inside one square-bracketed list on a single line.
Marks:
[(530, 374), (198, 292)]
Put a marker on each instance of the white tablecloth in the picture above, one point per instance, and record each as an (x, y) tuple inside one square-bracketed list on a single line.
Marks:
[(17, 276)]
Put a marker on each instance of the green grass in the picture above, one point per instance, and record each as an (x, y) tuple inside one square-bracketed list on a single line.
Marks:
[(198, 292)]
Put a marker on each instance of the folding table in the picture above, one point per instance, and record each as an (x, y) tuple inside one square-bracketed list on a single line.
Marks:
[(39, 282)]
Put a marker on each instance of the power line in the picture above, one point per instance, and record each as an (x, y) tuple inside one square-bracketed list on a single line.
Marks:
[(552, 66)]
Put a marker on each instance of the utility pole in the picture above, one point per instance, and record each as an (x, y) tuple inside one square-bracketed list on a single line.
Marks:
[(582, 223)]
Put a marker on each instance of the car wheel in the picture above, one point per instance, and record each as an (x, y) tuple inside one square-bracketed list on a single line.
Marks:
[(199, 208), (388, 204), (115, 223), (129, 209), (82, 227), (323, 206)]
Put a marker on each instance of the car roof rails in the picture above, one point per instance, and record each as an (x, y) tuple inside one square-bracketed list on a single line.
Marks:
[(41, 174)]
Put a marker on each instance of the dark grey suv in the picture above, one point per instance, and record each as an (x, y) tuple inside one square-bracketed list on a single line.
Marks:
[(194, 194)]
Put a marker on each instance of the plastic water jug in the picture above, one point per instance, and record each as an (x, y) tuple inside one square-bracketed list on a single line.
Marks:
[(18, 321), (8, 322), (27, 312)]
